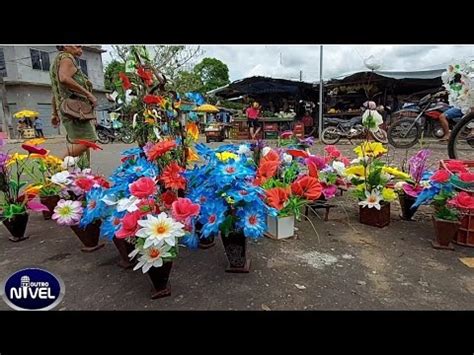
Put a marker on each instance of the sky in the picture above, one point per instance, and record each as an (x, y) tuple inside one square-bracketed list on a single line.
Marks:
[(286, 61)]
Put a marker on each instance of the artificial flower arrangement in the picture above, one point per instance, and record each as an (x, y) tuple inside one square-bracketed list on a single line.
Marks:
[(17, 195), (409, 189), (287, 187), (372, 182), (230, 202)]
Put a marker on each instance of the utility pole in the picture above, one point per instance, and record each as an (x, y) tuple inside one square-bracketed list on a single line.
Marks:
[(301, 75), (6, 110), (320, 128)]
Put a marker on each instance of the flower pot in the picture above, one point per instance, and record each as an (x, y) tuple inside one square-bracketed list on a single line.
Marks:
[(159, 277), (465, 234), (374, 217), (89, 236), (445, 232), (50, 202), (124, 248), (17, 227), (235, 245), (280, 227), (204, 243), (406, 201)]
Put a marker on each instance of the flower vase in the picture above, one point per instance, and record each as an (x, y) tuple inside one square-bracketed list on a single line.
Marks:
[(235, 245), (89, 236), (50, 202), (374, 217), (280, 227), (124, 248), (159, 277), (17, 227), (445, 233), (204, 243), (406, 201)]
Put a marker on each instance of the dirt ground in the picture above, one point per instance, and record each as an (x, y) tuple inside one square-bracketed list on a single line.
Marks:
[(345, 266)]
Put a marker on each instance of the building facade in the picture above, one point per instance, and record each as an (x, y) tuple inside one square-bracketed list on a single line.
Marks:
[(25, 70)]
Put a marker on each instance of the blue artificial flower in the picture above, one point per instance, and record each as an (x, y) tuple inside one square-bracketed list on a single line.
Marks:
[(197, 176), (227, 148), (202, 195), (246, 192), (111, 225), (204, 151), (95, 207), (252, 221), (226, 173), (142, 167), (212, 215), (132, 152)]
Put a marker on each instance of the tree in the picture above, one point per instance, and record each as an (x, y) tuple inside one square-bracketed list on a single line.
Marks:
[(213, 73), (187, 81), (112, 73)]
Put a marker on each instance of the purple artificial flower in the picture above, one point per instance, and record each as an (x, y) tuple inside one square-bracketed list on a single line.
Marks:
[(2, 142), (3, 159), (147, 147), (307, 141), (417, 164), (319, 161)]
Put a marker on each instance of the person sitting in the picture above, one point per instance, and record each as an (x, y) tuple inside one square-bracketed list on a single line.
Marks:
[(454, 114)]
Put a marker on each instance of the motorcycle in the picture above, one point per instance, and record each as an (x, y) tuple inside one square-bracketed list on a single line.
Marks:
[(110, 133), (351, 129), (406, 131)]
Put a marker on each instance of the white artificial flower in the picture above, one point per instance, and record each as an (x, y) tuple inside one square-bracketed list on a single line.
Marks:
[(376, 117), (128, 204), (134, 121), (339, 167), (399, 185), (110, 200), (244, 150), (69, 162), (62, 178), (372, 200), (152, 257), (159, 230), (266, 150), (287, 158), (157, 133)]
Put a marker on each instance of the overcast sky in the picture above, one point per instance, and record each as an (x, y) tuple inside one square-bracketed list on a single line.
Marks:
[(287, 61)]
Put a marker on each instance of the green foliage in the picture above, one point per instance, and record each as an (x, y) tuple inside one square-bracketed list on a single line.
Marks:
[(111, 75), (213, 74)]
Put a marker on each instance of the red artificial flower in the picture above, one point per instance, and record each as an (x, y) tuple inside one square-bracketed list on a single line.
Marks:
[(183, 209), (159, 149), (168, 198), (332, 151), (146, 75), (467, 177), (129, 225), (102, 182), (125, 81), (34, 150), (440, 176), (463, 200), (308, 187), (143, 187), (297, 153), (271, 156), (312, 169), (85, 183), (277, 197), (267, 170), (153, 100), (172, 178), (456, 166), (88, 144), (346, 161)]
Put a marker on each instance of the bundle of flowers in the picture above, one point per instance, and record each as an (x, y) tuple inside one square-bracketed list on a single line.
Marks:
[(17, 195), (417, 168), (443, 190), (288, 183), (224, 188), (371, 178)]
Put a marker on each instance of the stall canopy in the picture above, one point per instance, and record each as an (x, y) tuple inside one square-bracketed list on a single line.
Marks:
[(260, 85)]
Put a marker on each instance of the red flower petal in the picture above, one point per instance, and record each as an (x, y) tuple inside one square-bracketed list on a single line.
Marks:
[(297, 153), (88, 144)]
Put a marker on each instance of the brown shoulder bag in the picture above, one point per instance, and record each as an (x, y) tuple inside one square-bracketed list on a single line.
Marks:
[(78, 109)]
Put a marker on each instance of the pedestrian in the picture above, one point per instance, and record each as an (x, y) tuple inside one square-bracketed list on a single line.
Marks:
[(253, 113), (38, 126)]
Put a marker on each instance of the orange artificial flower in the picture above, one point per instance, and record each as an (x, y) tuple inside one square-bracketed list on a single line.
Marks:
[(192, 130), (172, 177), (159, 149), (277, 197), (307, 187)]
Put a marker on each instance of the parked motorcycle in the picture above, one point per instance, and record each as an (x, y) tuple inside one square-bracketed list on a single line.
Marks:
[(406, 131), (351, 129), (112, 133)]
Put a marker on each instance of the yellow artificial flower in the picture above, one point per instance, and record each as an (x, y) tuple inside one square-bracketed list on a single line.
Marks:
[(53, 160), (35, 141), (193, 131), (33, 189), (16, 157), (224, 156), (360, 187), (395, 172), (191, 155), (388, 194), (370, 149), (357, 170), (149, 120)]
